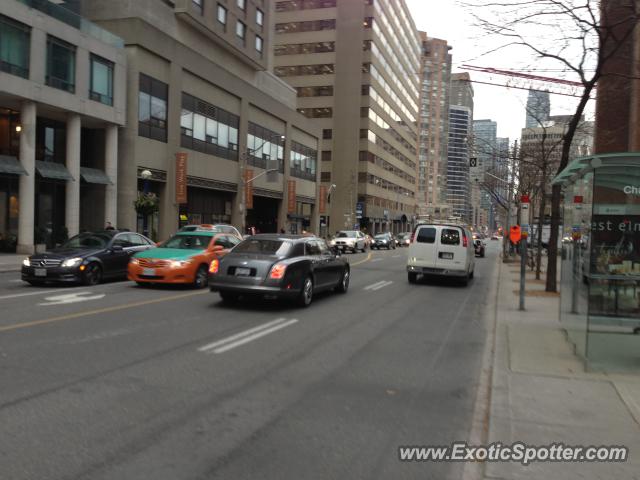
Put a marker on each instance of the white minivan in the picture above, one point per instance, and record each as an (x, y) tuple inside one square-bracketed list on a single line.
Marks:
[(441, 250)]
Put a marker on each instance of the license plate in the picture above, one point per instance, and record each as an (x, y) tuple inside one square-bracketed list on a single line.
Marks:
[(149, 272), (40, 272), (446, 255), (243, 272)]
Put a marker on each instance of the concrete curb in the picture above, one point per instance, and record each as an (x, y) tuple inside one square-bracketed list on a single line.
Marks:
[(481, 419)]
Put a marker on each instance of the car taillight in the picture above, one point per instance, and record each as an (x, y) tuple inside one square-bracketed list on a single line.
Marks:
[(215, 265), (465, 241), (277, 271)]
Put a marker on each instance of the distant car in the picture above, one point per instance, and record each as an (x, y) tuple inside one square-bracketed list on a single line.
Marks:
[(479, 247), (183, 259), (495, 237), (404, 239), (350, 240), (86, 258), (383, 240), (280, 267)]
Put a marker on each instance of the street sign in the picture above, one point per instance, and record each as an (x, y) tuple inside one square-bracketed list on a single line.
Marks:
[(359, 209), (473, 162), (515, 234), (578, 199), (524, 199)]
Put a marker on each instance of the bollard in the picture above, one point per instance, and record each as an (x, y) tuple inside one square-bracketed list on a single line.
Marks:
[(523, 269)]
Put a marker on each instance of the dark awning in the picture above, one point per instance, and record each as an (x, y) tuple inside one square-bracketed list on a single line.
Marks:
[(11, 165), (94, 175), (53, 170)]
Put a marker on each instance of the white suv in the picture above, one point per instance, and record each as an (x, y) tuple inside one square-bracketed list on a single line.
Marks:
[(441, 249), (353, 240)]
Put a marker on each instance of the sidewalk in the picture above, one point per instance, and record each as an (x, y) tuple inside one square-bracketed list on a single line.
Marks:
[(542, 395), (11, 262)]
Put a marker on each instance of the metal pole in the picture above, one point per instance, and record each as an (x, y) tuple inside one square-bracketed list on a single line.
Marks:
[(523, 269)]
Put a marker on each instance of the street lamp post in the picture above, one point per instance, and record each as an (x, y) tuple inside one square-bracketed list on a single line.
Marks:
[(145, 175)]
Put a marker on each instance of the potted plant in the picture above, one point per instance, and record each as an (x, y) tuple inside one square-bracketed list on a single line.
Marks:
[(147, 203)]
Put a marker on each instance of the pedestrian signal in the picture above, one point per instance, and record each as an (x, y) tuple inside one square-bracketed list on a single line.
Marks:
[(515, 234)]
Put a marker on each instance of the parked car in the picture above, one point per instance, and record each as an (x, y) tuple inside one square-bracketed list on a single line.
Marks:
[(441, 250), (403, 239), (215, 228), (383, 240), (183, 259), (352, 240), (88, 258), (479, 247), (280, 267)]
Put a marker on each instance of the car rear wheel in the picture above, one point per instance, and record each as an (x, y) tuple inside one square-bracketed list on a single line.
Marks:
[(412, 277), (306, 294), (343, 286), (92, 274), (202, 277)]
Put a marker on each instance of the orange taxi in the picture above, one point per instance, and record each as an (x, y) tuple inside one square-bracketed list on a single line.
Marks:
[(183, 259)]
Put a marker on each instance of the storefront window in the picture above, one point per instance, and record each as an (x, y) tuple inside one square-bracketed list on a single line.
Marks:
[(600, 281)]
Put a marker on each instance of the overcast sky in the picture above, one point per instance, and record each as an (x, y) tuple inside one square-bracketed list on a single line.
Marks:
[(445, 19)]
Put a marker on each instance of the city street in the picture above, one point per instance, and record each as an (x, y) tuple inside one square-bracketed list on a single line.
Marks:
[(122, 382)]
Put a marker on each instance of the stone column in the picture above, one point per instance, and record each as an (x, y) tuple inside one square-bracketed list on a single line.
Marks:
[(72, 203), (28, 181), (111, 169)]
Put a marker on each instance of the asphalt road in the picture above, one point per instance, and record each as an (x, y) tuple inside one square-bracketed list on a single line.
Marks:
[(122, 382)]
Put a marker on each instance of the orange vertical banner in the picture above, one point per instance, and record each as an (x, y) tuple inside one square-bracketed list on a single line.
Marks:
[(181, 178), (248, 188), (291, 197), (322, 201)]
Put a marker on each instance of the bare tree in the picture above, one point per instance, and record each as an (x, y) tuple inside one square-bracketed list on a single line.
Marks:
[(577, 35)]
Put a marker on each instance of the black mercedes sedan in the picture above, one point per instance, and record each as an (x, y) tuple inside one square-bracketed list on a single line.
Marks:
[(86, 258), (277, 266)]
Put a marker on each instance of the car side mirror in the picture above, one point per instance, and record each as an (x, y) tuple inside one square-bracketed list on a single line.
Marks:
[(116, 248)]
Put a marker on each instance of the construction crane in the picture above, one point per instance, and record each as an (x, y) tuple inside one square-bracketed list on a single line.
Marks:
[(527, 81)]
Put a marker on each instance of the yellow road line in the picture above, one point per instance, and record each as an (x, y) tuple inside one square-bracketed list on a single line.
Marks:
[(362, 261), (99, 311)]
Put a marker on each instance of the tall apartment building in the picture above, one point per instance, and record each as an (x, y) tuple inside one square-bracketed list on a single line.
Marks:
[(62, 101), (538, 108), (355, 65), (485, 133), (460, 129), (199, 87), (434, 127)]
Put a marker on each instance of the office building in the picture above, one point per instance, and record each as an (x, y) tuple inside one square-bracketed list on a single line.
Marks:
[(207, 117), (458, 155), (538, 108), (434, 128), (355, 65), (62, 101)]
